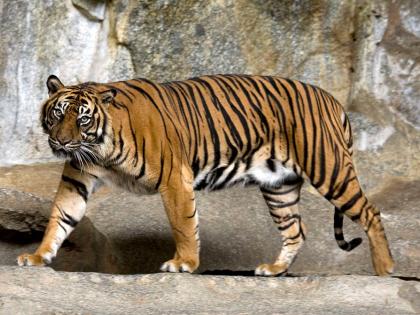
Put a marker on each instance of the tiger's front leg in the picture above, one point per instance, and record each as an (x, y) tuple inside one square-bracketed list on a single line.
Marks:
[(68, 209), (179, 203)]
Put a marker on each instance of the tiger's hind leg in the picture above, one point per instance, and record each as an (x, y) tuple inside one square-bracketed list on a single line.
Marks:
[(283, 205), (345, 193)]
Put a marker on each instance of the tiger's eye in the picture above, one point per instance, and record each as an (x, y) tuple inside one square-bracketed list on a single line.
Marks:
[(84, 120), (58, 113)]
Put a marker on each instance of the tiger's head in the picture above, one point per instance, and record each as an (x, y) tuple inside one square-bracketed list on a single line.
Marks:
[(76, 120)]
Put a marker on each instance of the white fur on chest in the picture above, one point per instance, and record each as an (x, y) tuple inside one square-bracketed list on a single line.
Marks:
[(128, 182)]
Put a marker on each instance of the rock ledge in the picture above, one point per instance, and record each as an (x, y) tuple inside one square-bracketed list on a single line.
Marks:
[(44, 291)]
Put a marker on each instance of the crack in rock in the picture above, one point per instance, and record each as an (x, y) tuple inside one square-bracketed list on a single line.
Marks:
[(93, 10)]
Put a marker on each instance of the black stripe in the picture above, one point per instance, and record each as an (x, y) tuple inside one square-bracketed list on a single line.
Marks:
[(211, 126), (193, 114), (281, 120), (300, 113), (283, 228), (226, 181), (264, 123), (314, 128), (121, 146), (159, 88), (206, 154), (349, 204), (161, 170), (241, 115), (67, 218), (119, 91), (80, 187), (291, 243), (295, 236), (233, 151), (344, 185), (278, 204), (193, 215), (235, 133), (277, 192), (146, 95), (59, 223), (339, 237), (292, 122), (143, 167), (271, 165), (101, 138), (334, 175)]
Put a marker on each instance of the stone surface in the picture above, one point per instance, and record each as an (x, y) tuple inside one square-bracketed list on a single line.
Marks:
[(43, 291), (23, 219), (366, 53), (387, 76), (93, 10), (236, 230)]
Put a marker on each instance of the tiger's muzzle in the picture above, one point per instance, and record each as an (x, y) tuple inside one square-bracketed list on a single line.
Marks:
[(63, 150)]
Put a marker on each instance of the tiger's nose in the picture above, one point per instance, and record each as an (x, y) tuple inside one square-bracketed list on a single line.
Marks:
[(64, 142)]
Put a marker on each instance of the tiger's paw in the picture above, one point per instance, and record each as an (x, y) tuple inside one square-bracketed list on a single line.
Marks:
[(179, 265), (383, 266), (271, 270), (31, 260)]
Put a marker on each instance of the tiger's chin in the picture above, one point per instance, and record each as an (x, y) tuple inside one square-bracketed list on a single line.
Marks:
[(63, 154)]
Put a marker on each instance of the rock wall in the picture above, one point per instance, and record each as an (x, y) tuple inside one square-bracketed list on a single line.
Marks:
[(365, 53)]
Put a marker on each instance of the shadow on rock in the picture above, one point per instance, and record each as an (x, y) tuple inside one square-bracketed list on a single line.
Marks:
[(144, 254)]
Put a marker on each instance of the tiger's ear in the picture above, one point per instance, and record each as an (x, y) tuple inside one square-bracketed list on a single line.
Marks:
[(53, 84), (108, 96)]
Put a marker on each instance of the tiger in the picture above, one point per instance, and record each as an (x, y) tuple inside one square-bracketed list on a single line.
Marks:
[(206, 133)]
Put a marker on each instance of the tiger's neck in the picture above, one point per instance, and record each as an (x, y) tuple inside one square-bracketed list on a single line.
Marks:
[(140, 137)]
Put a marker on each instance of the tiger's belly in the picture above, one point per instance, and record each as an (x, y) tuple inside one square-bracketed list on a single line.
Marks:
[(118, 178), (266, 173)]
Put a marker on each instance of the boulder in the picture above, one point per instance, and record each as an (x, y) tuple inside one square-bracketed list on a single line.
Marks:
[(44, 291)]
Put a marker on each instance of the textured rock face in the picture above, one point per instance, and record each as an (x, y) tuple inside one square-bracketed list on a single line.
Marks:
[(24, 292), (364, 52)]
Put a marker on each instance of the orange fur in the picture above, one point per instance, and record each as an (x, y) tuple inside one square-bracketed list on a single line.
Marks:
[(206, 133)]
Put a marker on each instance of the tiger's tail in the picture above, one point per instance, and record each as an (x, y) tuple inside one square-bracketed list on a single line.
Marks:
[(338, 215), (338, 233)]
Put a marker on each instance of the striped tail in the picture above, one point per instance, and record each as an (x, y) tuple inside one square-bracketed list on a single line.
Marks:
[(338, 233)]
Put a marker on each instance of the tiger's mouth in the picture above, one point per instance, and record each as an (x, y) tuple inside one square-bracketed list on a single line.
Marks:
[(82, 152), (63, 151)]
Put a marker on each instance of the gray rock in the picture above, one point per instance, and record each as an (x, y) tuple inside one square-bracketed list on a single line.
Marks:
[(22, 213), (43, 291), (93, 9), (364, 52), (387, 73)]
